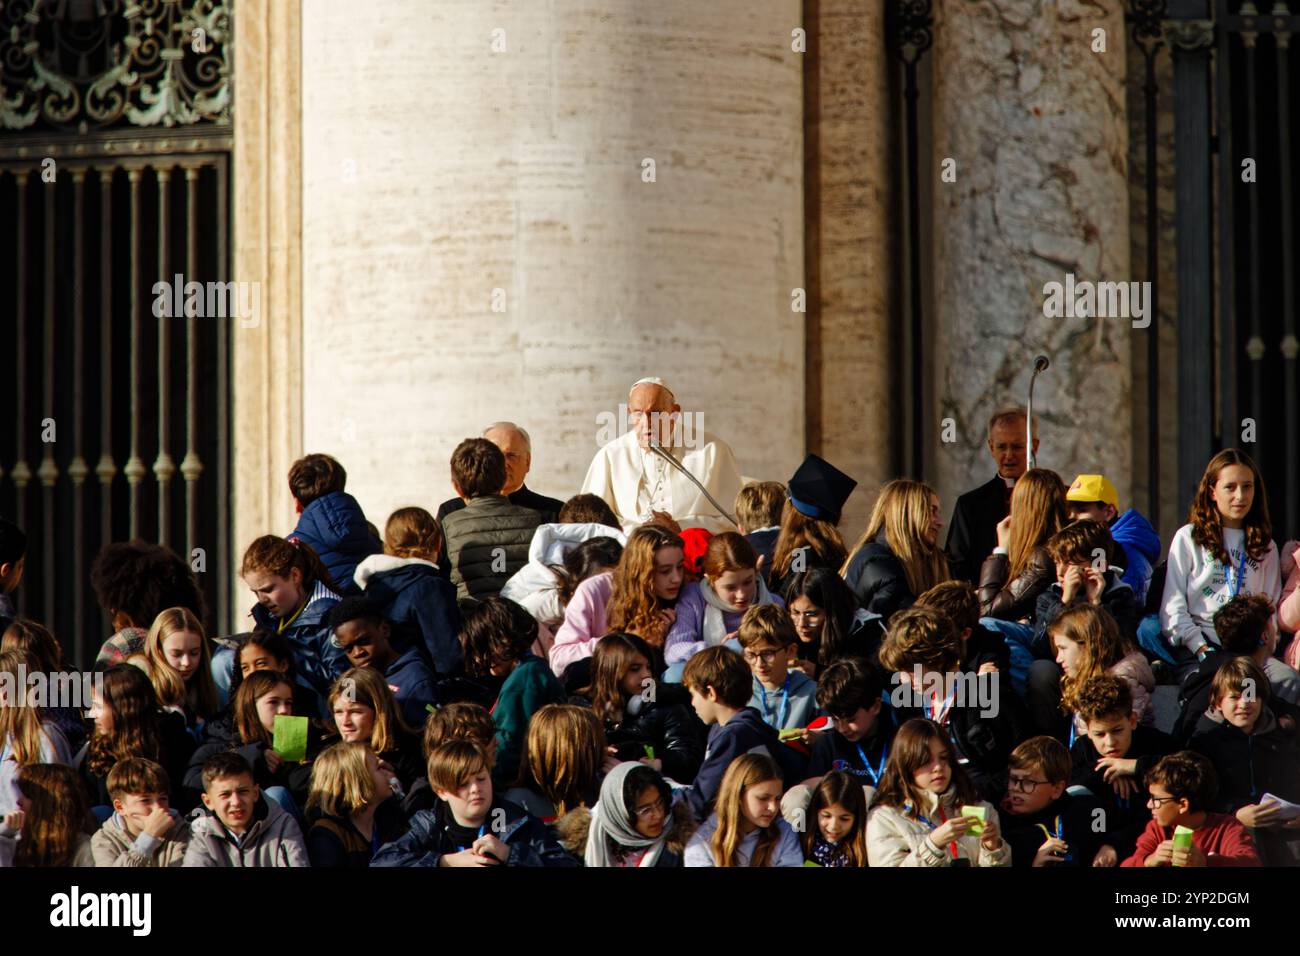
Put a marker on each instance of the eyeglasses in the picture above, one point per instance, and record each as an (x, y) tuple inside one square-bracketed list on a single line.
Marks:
[(1159, 801), (765, 656), (651, 809), (806, 615), (1024, 784)]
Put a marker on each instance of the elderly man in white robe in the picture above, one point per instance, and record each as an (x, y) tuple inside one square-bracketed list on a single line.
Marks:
[(639, 485)]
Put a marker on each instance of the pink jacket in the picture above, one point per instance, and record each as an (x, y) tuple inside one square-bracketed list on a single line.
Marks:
[(1288, 608), (584, 622)]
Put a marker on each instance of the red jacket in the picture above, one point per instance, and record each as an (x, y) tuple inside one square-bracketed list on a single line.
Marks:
[(1221, 838)]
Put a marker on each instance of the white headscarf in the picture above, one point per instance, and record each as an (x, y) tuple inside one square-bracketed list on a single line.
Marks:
[(609, 818)]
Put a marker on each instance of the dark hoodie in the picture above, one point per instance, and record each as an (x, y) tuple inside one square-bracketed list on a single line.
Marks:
[(220, 736), (742, 734), (1071, 816), (1116, 597), (1141, 545), (335, 527), (432, 835), (1124, 819), (1249, 766), (412, 683), (419, 605)]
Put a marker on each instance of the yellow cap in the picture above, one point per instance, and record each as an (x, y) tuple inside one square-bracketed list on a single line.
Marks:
[(1093, 488)]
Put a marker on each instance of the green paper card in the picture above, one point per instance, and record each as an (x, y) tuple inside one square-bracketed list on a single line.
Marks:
[(1182, 839), (290, 740), (981, 813), (649, 752), (810, 863)]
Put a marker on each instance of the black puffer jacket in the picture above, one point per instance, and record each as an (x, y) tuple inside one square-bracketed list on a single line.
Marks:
[(877, 579), (1014, 600), (487, 542), (668, 724)]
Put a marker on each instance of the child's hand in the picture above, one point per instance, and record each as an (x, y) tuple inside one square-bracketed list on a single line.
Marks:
[(465, 858), (991, 838), (1004, 532), (948, 832), (669, 616), (158, 823), (273, 760), (1163, 856), (1050, 852), (988, 667), (656, 763), (1256, 815), (1094, 584), (1287, 723), (1072, 583), (1106, 856), (489, 846), (1115, 767), (1189, 856), (14, 820)]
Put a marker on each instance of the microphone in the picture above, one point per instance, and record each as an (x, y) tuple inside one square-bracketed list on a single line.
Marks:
[(658, 450), (1041, 364)]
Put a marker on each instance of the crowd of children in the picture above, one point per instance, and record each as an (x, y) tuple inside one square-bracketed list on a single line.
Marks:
[(530, 686)]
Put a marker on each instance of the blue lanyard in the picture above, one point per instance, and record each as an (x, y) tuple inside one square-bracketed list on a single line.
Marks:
[(878, 771), (781, 710), (930, 707), (1241, 571), (1073, 733), (481, 831)]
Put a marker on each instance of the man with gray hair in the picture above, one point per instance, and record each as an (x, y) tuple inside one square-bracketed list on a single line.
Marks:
[(518, 449), (972, 533), (640, 485)]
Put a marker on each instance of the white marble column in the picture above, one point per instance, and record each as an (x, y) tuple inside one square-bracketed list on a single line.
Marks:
[(480, 243), (1036, 122)]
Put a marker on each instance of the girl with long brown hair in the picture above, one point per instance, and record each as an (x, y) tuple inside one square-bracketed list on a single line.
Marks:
[(803, 543), (249, 729), (917, 815), (179, 663), (28, 734), (746, 827), (1225, 549), (1088, 643), (48, 827), (646, 584), (1020, 569), (644, 719), (564, 759), (130, 723), (898, 556)]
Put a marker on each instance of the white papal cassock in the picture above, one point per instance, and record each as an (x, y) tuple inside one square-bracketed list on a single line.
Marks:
[(635, 481)]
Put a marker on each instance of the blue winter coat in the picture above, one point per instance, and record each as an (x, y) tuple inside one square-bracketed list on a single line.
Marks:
[(419, 604), (412, 684), (317, 660), (1141, 546), (531, 842), (335, 527)]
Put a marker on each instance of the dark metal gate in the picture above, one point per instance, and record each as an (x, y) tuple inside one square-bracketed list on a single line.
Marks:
[(114, 176)]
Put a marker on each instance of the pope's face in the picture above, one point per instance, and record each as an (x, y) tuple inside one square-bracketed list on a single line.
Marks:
[(650, 410)]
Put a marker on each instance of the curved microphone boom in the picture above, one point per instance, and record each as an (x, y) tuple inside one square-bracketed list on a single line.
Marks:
[(658, 450), (1041, 364)]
